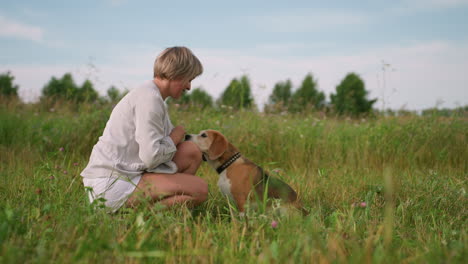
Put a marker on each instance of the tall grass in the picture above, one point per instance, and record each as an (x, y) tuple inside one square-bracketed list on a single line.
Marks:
[(381, 190)]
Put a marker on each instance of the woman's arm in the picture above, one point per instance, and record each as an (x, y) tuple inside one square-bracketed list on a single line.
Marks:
[(154, 147), (177, 134)]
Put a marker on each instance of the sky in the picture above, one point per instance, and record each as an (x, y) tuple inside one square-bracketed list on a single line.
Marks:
[(411, 54)]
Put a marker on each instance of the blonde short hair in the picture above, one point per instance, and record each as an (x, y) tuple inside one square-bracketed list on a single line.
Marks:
[(177, 63)]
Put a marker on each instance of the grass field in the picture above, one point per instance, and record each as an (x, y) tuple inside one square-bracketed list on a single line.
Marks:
[(382, 190)]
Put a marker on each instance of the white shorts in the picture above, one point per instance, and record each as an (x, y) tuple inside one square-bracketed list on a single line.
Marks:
[(114, 191)]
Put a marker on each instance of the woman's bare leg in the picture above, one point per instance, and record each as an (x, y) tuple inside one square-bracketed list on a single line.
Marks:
[(188, 157), (179, 188), (170, 189)]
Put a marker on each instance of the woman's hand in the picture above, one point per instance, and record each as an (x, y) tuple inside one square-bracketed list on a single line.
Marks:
[(177, 134)]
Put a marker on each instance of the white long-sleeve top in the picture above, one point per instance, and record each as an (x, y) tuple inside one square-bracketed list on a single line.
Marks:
[(136, 138)]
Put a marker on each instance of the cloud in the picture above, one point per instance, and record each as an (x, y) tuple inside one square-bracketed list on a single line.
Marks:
[(308, 20), (32, 78), (13, 29), (418, 77)]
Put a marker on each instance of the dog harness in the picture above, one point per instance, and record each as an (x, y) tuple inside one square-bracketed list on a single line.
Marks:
[(228, 162)]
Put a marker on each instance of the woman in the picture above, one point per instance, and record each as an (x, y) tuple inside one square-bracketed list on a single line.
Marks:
[(140, 154)]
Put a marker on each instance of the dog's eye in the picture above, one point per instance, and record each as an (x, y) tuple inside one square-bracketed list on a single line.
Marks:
[(204, 135)]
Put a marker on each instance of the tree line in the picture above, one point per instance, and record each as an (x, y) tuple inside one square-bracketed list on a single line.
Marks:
[(61, 89), (349, 98)]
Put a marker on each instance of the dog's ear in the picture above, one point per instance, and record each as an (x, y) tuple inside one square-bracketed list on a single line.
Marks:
[(218, 146)]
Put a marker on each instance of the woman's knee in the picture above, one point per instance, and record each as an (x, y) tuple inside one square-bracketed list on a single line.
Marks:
[(190, 150), (188, 158)]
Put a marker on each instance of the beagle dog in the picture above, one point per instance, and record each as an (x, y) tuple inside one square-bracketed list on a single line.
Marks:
[(239, 178)]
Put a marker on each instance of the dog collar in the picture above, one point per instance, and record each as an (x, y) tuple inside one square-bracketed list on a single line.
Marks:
[(228, 163)]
